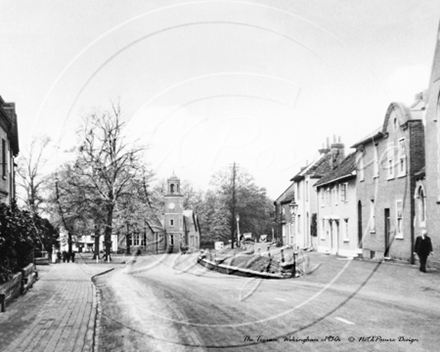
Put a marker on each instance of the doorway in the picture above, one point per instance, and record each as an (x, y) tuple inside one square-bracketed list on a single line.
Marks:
[(387, 231), (359, 211)]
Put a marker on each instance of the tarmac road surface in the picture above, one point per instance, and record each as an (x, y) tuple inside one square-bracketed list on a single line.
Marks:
[(168, 303)]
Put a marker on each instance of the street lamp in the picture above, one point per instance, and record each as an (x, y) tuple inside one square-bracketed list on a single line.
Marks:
[(293, 210), (238, 230)]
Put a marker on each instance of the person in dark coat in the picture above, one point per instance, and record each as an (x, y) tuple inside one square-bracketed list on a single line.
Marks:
[(423, 248), (64, 256)]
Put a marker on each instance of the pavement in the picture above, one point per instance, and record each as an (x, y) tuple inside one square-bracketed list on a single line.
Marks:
[(57, 314)]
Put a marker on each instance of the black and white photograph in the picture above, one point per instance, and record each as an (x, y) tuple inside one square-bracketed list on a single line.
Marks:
[(219, 175)]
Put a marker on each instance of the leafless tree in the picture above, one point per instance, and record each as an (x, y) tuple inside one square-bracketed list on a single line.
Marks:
[(32, 177), (107, 163)]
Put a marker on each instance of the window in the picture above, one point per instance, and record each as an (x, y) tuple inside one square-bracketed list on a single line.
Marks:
[(323, 229), (390, 158), (346, 239), (135, 239), (327, 192), (322, 191), (3, 158), (343, 192), (402, 158), (372, 217), (171, 222), (361, 167), (399, 215), (298, 189), (299, 224), (336, 194), (375, 162)]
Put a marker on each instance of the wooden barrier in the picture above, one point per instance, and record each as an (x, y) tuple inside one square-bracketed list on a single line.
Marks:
[(28, 277), (10, 290)]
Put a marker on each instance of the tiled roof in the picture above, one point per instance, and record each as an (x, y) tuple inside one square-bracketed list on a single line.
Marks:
[(346, 168), (288, 193), (316, 169)]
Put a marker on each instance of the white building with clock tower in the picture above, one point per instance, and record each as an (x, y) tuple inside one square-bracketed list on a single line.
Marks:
[(181, 226)]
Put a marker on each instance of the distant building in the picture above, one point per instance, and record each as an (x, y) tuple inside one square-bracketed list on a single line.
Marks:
[(9, 150), (337, 218), (387, 163), (182, 229), (432, 120), (284, 219)]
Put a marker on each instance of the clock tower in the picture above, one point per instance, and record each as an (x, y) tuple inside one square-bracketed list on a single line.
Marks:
[(173, 214)]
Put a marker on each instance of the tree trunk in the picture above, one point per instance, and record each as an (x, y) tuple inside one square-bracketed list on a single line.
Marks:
[(69, 242), (108, 231), (127, 240), (97, 236)]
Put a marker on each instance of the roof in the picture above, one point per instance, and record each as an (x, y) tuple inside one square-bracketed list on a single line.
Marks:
[(346, 169), (316, 169), (375, 135), (288, 193), (403, 115)]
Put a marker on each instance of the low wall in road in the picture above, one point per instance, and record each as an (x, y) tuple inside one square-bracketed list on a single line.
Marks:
[(233, 270)]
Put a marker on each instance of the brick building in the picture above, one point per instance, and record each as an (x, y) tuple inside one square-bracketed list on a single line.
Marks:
[(337, 218), (387, 163), (9, 150), (432, 120)]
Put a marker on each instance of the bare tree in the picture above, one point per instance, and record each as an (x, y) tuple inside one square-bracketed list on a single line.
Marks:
[(31, 176), (107, 163)]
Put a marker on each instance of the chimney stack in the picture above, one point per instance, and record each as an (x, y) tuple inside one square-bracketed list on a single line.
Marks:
[(337, 152)]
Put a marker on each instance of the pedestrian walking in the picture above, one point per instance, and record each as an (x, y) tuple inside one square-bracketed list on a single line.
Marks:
[(58, 257), (423, 248), (64, 256), (73, 257), (54, 257)]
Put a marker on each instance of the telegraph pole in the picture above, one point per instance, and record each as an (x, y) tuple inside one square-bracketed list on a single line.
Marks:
[(233, 205)]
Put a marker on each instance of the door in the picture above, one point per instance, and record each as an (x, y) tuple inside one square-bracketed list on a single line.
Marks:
[(387, 232), (359, 225)]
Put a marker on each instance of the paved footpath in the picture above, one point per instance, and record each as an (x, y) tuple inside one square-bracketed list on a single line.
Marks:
[(56, 314)]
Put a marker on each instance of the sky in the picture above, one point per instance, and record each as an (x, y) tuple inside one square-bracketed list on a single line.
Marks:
[(204, 84)]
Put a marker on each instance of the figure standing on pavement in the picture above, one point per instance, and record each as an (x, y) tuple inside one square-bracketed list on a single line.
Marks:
[(423, 248)]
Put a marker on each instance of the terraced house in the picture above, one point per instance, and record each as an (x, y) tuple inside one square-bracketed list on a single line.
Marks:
[(300, 225), (337, 218), (388, 161), (9, 150)]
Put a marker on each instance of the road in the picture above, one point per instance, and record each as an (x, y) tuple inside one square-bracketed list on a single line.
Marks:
[(169, 303)]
